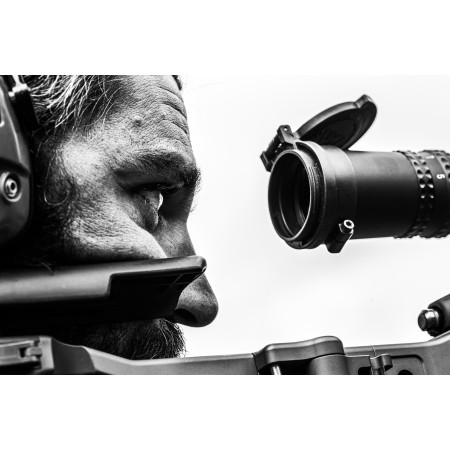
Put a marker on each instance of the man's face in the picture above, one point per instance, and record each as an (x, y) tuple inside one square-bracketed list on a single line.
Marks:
[(134, 175)]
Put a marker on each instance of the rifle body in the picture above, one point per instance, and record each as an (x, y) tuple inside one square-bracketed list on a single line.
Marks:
[(320, 356)]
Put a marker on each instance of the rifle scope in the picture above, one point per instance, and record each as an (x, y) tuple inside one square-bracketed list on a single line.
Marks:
[(322, 192)]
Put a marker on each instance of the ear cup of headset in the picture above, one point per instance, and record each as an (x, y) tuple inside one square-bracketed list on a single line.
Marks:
[(16, 120)]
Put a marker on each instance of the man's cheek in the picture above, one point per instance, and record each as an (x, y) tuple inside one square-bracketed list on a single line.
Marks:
[(109, 235)]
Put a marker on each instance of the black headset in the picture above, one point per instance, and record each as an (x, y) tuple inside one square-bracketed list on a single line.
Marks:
[(17, 122)]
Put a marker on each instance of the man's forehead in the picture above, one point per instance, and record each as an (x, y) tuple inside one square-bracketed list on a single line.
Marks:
[(149, 124), (153, 99), (142, 87)]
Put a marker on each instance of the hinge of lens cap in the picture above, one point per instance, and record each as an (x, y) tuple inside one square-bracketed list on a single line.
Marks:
[(283, 140)]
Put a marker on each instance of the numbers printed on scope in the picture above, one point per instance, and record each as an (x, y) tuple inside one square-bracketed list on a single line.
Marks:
[(440, 176)]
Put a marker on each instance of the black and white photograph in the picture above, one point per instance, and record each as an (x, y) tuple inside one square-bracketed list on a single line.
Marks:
[(300, 199), (279, 207)]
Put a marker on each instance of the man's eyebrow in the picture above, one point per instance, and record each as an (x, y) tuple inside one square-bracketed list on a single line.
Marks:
[(164, 167)]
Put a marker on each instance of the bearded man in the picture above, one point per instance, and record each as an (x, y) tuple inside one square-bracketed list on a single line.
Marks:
[(114, 180)]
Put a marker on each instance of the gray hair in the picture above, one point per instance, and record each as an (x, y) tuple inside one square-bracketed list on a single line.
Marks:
[(65, 102)]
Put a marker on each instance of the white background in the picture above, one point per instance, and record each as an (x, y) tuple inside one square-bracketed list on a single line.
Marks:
[(372, 292), (233, 37)]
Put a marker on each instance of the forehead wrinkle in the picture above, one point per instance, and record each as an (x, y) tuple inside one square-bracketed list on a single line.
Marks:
[(147, 89), (173, 86), (182, 126), (162, 112), (178, 104)]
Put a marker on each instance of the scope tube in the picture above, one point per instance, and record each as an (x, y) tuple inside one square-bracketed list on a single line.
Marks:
[(313, 189)]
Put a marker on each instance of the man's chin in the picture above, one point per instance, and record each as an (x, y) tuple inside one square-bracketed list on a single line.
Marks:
[(138, 340)]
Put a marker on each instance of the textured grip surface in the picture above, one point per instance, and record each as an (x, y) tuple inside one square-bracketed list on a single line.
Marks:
[(427, 179), (426, 195), (444, 159)]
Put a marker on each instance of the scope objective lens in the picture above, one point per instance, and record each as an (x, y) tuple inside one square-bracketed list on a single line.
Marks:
[(313, 189)]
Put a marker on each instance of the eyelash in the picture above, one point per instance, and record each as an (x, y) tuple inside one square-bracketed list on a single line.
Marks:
[(164, 189)]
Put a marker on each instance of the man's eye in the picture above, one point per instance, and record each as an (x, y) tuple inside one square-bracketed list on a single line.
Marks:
[(151, 199), (154, 199), (149, 204)]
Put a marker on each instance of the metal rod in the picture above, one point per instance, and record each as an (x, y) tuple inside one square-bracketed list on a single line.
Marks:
[(275, 370)]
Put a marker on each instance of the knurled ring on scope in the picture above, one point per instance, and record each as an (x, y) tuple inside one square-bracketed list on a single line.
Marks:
[(426, 194), (444, 160)]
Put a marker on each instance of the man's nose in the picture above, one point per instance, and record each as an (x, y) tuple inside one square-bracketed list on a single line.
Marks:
[(197, 306)]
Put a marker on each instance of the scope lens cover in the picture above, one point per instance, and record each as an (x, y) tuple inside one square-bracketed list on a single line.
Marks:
[(342, 125)]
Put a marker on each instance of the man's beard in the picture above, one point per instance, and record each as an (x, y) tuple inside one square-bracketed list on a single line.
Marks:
[(55, 202), (132, 340)]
